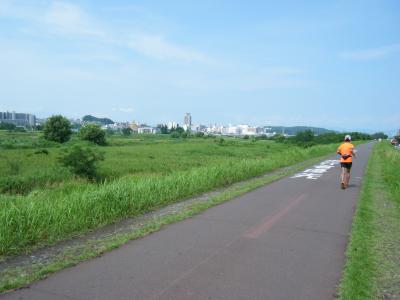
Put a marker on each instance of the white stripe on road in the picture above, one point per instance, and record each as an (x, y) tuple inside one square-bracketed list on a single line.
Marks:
[(317, 171)]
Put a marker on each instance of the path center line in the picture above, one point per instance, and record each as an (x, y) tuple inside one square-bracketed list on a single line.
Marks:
[(270, 221)]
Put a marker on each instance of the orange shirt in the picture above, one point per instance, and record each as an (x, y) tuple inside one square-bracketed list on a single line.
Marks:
[(346, 149)]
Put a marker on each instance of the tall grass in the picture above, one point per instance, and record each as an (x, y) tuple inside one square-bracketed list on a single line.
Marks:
[(39, 219), (140, 156), (391, 170), (373, 250)]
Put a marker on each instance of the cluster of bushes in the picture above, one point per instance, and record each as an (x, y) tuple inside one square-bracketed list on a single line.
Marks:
[(80, 159), (178, 132), (308, 138), (11, 127)]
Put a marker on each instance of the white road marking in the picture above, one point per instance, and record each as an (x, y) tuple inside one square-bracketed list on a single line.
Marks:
[(316, 171)]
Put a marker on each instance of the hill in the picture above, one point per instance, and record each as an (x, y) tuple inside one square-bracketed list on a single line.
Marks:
[(100, 121), (293, 130)]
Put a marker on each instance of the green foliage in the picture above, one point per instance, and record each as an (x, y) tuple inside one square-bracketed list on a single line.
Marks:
[(93, 133), (373, 251), (199, 134), (279, 138), (7, 126), (127, 131), (293, 130), (304, 136), (24, 140), (110, 132), (261, 137), (175, 135), (42, 151), (14, 166), (39, 127), (307, 138), (57, 129), (20, 129), (379, 135), (51, 216), (219, 141), (81, 160), (391, 170), (163, 128), (102, 121), (186, 134), (177, 129), (358, 280)]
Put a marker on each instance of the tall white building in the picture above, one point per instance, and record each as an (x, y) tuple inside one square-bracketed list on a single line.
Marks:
[(187, 120), (171, 125)]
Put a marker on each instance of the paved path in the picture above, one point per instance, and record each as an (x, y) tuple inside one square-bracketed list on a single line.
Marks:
[(285, 240)]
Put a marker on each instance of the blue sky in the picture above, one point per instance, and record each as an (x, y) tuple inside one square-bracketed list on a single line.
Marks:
[(332, 64)]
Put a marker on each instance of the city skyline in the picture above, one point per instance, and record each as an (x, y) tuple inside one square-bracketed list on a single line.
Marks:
[(331, 65), (26, 119)]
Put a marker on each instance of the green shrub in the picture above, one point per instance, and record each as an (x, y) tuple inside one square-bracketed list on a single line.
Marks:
[(127, 131), (81, 160), (42, 151), (7, 126), (199, 134), (93, 133), (57, 129), (175, 134)]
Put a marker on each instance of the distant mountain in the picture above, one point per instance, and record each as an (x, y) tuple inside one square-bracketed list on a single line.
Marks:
[(293, 130), (100, 121)]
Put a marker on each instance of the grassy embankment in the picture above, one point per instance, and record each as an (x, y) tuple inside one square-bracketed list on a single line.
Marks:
[(372, 270), (141, 175)]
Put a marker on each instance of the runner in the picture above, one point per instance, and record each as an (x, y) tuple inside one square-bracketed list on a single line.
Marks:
[(346, 152)]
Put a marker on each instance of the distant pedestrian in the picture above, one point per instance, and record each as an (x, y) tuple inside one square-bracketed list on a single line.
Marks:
[(346, 152)]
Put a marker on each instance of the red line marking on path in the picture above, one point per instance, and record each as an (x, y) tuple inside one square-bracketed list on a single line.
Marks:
[(270, 221)]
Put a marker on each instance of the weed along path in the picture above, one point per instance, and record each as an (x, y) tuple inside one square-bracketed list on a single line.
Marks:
[(285, 240)]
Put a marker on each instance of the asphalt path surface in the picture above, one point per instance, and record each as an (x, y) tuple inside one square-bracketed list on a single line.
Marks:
[(285, 240)]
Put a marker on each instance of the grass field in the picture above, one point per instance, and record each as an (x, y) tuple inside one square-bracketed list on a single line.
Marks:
[(373, 256), (141, 173), (26, 169)]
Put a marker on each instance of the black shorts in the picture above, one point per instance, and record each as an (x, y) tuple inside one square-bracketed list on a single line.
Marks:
[(346, 165)]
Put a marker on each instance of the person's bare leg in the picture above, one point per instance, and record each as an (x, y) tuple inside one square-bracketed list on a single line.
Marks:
[(347, 177), (343, 177)]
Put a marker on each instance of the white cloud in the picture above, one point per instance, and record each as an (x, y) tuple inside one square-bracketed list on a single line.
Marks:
[(124, 110), (372, 53), (71, 20), (67, 18), (157, 47)]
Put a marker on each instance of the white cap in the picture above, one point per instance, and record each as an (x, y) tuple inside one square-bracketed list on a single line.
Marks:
[(347, 137)]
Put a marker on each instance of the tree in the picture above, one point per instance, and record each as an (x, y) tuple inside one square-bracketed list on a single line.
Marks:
[(127, 131), (177, 129), (304, 136), (39, 127), (81, 160), (93, 133), (379, 135), (199, 134), (110, 131), (163, 128), (279, 138), (57, 129)]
